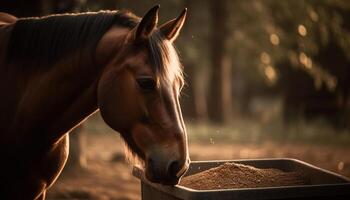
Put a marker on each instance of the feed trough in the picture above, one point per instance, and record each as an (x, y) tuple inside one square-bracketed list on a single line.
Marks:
[(322, 184)]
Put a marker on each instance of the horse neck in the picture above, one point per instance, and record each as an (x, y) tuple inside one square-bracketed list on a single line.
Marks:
[(50, 103), (63, 97)]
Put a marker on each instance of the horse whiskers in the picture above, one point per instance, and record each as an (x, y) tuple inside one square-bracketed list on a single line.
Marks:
[(131, 157)]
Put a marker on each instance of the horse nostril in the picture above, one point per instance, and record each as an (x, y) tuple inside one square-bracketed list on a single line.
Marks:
[(173, 169)]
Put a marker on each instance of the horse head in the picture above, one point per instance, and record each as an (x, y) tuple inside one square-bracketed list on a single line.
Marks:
[(138, 96)]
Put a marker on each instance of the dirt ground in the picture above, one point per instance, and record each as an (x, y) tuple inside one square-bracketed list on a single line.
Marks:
[(108, 177)]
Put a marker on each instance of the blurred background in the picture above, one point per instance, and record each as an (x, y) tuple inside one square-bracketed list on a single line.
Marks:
[(265, 78)]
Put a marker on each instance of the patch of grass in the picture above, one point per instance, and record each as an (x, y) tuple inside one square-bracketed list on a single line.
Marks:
[(249, 131)]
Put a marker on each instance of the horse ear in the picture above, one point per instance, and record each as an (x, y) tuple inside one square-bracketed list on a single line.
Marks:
[(171, 29), (148, 23)]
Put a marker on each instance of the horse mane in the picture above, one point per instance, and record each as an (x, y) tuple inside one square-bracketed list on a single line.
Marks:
[(42, 41)]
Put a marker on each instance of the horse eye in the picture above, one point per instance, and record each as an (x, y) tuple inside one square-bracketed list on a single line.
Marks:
[(146, 84)]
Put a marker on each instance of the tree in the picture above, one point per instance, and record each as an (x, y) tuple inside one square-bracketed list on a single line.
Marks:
[(316, 44), (77, 146), (220, 96), (193, 100)]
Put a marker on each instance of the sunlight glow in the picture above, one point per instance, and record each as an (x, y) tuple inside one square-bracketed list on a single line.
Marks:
[(265, 58), (302, 30), (305, 60), (270, 73), (340, 165), (332, 83), (274, 39), (313, 16), (320, 75)]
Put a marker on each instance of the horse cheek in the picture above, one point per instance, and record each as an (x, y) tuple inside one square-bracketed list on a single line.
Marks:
[(117, 100)]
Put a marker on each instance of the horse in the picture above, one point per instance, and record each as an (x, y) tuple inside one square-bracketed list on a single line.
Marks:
[(57, 70)]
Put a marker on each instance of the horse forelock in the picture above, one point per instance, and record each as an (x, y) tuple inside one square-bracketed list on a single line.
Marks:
[(165, 59)]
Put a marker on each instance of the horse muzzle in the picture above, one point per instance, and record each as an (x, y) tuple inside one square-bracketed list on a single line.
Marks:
[(165, 171)]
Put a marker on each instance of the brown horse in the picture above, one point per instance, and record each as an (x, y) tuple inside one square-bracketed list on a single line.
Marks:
[(58, 70)]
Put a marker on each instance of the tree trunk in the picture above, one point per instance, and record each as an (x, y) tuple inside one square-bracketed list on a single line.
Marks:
[(220, 95), (77, 144), (193, 101)]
